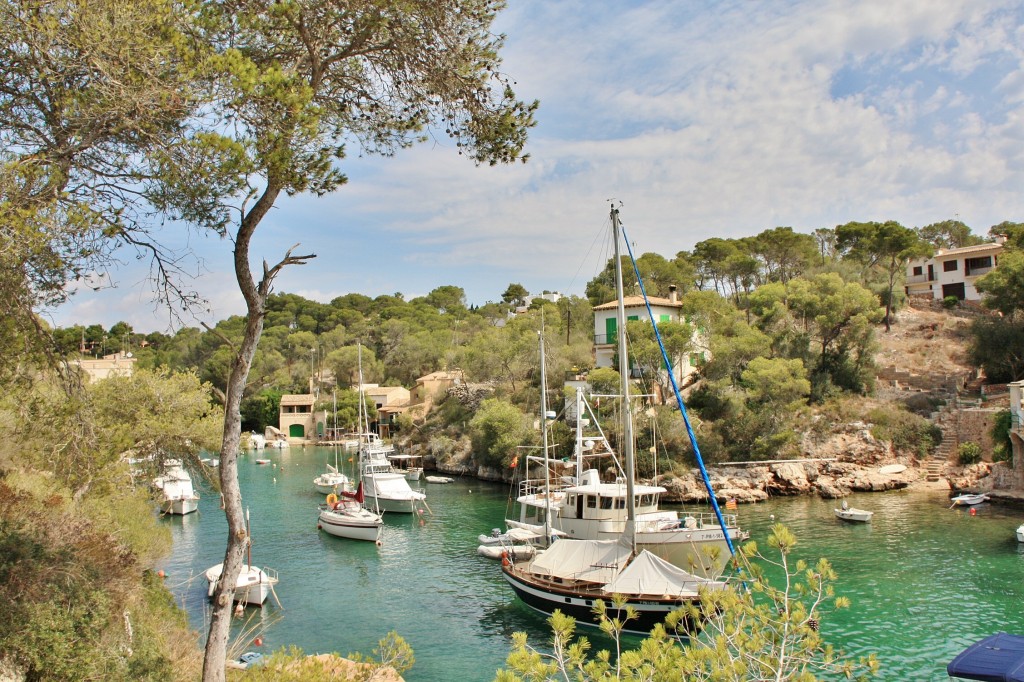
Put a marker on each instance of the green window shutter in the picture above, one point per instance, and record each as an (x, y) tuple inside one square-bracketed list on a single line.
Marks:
[(635, 318), (609, 330), (664, 318)]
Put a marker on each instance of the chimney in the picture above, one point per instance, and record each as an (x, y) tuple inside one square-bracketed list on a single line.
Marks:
[(673, 296)]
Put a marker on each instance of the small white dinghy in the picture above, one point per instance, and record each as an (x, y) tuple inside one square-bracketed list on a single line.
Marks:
[(969, 499), (847, 513), (1020, 533), (515, 552)]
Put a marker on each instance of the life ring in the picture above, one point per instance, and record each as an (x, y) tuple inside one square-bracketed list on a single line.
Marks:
[(331, 499)]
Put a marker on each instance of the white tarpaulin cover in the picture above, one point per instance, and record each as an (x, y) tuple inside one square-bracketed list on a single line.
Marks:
[(593, 560), (395, 487), (651, 575)]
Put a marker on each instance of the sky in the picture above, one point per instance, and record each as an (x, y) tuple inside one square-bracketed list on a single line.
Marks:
[(699, 119)]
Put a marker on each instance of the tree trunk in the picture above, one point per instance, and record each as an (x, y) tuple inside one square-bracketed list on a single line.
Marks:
[(255, 301)]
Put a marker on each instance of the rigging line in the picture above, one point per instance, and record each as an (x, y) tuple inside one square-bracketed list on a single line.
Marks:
[(599, 235), (679, 400)]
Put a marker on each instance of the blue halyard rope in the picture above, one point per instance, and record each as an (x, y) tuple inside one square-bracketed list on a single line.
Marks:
[(679, 398)]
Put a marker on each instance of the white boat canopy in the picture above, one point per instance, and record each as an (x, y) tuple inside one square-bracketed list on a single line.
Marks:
[(592, 560), (649, 574), (394, 486)]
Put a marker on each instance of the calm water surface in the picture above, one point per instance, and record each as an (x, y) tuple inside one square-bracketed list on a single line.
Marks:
[(925, 580)]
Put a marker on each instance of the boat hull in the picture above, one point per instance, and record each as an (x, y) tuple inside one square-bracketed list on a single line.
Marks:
[(1020, 533), (328, 484), (703, 552), (548, 598), (390, 504), (351, 526), (969, 500), (854, 515), (253, 586), (182, 506)]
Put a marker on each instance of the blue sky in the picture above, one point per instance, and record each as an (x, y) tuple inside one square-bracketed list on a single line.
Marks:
[(702, 118)]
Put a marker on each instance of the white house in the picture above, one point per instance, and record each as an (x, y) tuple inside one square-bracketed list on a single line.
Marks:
[(952, 272), (664, 310)]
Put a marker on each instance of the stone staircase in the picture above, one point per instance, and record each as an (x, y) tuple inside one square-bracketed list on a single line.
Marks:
[(945, 419)]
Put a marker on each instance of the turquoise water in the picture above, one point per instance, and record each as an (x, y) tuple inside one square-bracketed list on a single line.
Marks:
[(925, 580)]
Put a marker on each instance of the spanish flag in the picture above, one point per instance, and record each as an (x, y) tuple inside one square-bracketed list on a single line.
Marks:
[(731, 503), (514, 463)]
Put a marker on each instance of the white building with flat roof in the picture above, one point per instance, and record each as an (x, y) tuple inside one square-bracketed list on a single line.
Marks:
[(952, 272)]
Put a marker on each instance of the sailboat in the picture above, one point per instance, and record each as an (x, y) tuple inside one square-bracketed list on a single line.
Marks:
[(332, 481), (253, 585), (346, 517), (570, 576), (580, 506), (384, 489)]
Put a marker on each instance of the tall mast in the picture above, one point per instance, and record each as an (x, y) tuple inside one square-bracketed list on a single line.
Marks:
[(364, 419), (627, 422), (544, 435)]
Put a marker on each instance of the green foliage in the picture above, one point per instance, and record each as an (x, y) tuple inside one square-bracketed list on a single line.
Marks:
[(905, 430), (758, 628), (1002, 445), (497, 429), (949, 234), (997, 346), (261, 410), (775, 383), (293, 665), (69, 585), (1004, 286), (968, 453), (950, 302)]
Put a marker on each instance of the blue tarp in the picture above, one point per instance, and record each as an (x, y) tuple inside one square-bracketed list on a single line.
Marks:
[(998, 658)]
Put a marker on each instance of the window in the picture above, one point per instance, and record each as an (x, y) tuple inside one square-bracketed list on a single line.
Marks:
[(591, 501), (606, 503), (633, 318), (975, 264), (918, 270), (949, 266), (664, 318)]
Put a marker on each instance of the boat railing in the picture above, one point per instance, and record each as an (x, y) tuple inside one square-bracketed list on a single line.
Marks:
[(538, 486), (271, 575), (687, 521)]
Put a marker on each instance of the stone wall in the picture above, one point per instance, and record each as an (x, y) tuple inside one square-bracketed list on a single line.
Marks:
[(974, 425), (924, 382)]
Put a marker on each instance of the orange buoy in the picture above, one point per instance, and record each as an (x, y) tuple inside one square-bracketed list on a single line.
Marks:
[(258, 641), (504, 559), (974, 512)]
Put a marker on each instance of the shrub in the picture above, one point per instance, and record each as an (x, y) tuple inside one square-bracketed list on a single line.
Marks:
[(950, 302), (906, 431), (969, 453), (1002, 447)]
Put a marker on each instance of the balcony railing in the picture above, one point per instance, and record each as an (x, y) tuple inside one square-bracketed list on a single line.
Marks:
[(604, 339)]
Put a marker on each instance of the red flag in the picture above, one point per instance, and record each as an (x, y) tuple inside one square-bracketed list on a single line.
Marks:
[(514, 463)]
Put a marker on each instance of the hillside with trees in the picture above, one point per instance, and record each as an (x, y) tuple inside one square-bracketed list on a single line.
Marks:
[(123, 121), (792, 321)]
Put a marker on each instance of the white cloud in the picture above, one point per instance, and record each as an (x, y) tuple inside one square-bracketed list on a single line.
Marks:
[(717, 120)]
